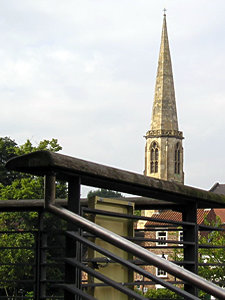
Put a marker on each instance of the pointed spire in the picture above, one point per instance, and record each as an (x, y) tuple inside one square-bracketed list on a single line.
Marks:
[(164, 114)]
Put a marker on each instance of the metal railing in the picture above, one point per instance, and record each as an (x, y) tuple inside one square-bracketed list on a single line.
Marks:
[(41, 245), (159, 193)]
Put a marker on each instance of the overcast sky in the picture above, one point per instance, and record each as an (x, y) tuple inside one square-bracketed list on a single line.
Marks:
[(83, 71)]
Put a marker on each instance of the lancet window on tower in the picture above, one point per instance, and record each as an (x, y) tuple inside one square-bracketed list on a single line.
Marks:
[(154, 158), (177, 159)]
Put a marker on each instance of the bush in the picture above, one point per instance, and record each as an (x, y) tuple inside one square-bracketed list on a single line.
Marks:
[(161, 294)]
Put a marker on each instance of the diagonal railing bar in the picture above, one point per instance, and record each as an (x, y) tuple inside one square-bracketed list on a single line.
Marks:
[(138, 251), (132, 266), (76, 172), (105, 279)]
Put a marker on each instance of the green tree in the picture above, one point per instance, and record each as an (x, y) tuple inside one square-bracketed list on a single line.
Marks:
[(14, 185), (161, 294), (17, 248), (215, 256), (7, 151), (104, 193)]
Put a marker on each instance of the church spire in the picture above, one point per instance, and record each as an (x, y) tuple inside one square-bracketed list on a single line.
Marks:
[(164, 114), (164, 151)]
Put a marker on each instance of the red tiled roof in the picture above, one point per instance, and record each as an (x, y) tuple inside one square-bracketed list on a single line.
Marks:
[(165, 215), (177, 216)]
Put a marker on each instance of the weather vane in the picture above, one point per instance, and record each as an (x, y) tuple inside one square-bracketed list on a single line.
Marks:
[(164, 10)]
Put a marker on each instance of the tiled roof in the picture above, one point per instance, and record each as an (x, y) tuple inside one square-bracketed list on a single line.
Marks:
[(211, 214), (177, 216), (165, 215), (220, 212), (218, 188)]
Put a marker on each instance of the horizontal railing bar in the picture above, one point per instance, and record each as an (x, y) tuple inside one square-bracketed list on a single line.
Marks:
[(105, 279), (31, 297), (183, 262), (52, 264), (26, 205), (19, 231), (160, 226), (210, 228), (137, 282), (51, 281), (92, 174), (128, 264), (17, 248), (18, 281), (142, 263), (138, 251), (17, 264), (72, 289), (211, 264), (55, 232), (157, 229), (119, 215), (51, 247), (163, 247), (211, 246), (140, 239), (51, 297), (58, 258)]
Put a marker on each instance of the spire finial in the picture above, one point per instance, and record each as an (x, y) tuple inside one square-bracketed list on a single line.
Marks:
[(164, 12)]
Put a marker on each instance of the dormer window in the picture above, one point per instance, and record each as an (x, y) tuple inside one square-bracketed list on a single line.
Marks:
[(177, 159), (154, 164)]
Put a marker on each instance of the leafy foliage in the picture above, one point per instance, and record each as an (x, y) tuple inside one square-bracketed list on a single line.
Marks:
[(18, 248), (14, 185), (159, 294), (104, 193), (216, 256), (7, 151)]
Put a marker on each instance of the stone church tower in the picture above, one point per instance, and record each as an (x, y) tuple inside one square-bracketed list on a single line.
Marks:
[(164, 151)]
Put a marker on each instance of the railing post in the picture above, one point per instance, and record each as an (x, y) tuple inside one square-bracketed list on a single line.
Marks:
[(40, 276), (190, 234), (49, 197), (73, 249), (50, 189)]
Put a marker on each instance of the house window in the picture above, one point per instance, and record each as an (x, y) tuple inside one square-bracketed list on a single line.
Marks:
[(161, 236), (181, 236), (154, 158), (160, 272), (177, 158)]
